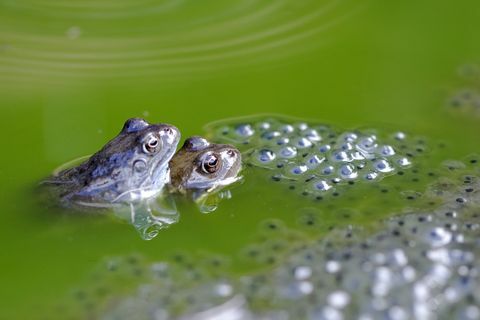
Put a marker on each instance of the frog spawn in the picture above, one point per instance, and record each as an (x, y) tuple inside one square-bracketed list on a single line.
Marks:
[(423, 264), (316, 158), (420, 265), (466, 99)]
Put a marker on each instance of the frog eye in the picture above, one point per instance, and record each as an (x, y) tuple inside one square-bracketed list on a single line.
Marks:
[(210, 164), (151, 145)]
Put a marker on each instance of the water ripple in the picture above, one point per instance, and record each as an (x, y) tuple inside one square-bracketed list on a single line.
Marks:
[(245, 34)]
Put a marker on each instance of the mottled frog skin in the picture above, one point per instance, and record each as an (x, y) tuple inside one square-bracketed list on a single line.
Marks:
[(132, 166), (203, 166)]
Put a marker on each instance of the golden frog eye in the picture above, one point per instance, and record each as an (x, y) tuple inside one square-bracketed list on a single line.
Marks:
[(210, 164), (151, 145)]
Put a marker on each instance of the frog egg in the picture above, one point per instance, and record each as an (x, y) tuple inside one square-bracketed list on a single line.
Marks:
[(302, 143), (371, 176), (298, 170), (349, 137), (383, 166), (325, 148), (283, 141), (287, 128), (264, 125), (348, 171), (341, 156), (244, 130), (404, 162), (302, 126), (357, 156), (400, 136), (314, 161), (321, 185), (347, 146), (312, 135), (269, 135), (386, 151), (288, 152), (272, 225), (367, 145), (328, 170), (266, 156), (361, 165)]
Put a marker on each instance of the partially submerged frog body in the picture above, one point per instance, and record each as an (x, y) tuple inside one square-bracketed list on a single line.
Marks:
[(201, 168), (131, 167)]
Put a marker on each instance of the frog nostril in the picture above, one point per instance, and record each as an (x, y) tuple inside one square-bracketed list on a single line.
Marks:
[(168, 131)]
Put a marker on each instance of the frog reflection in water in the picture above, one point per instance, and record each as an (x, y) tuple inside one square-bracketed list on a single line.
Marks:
[(131, 167), (201, 169)]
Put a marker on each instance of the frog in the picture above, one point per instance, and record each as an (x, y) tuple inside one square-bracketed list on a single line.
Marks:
[(200, 169), (131, 167)]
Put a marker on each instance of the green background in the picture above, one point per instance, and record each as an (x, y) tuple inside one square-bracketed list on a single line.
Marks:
[(71, 72)]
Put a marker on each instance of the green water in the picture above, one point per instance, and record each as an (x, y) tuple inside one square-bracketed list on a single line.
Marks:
[(71, 72)]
